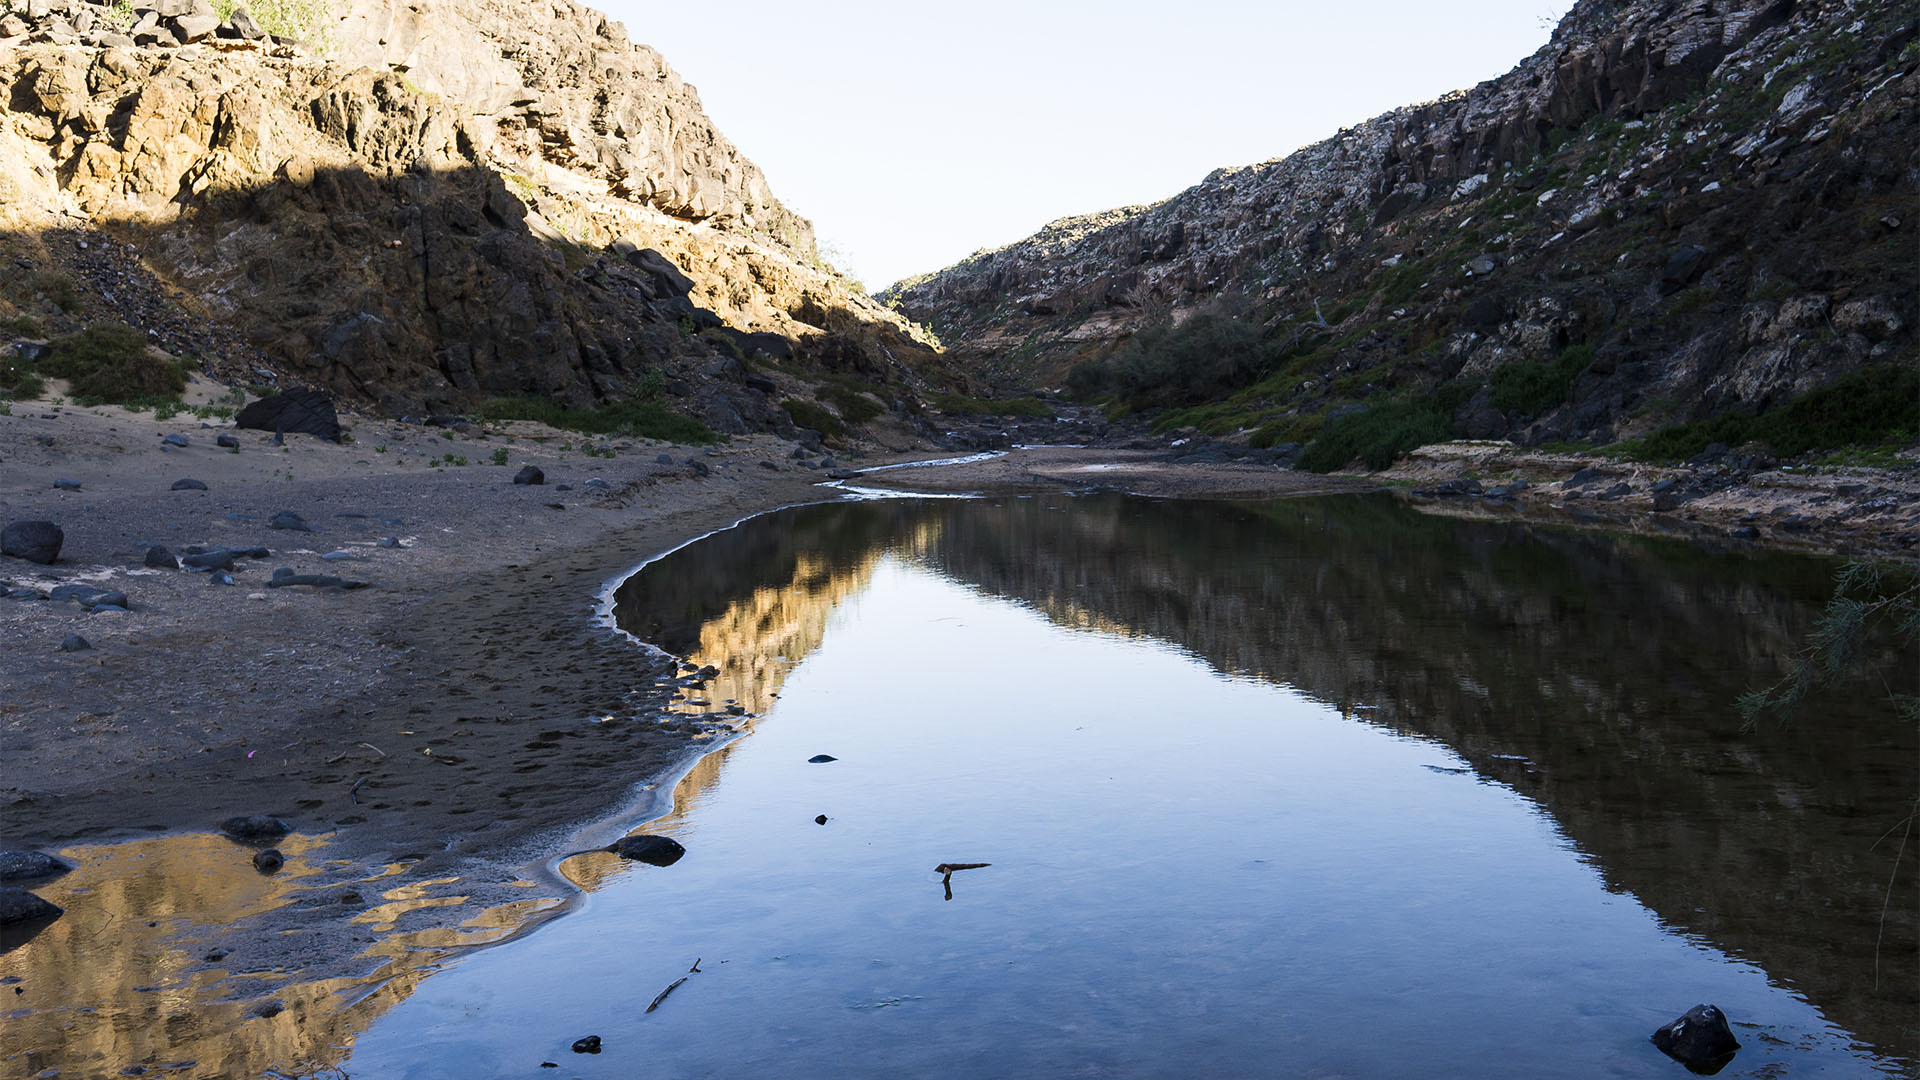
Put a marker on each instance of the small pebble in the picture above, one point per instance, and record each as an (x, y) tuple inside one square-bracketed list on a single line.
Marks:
[(64, 484), (175, 440), (821, 759), (189, 484), (588, 1045), (75, 643)]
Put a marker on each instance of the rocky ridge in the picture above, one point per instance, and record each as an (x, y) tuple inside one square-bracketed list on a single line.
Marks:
[(418, 207), (1716, 198)]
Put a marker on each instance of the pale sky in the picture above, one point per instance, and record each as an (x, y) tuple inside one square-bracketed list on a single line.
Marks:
[(914, 135)]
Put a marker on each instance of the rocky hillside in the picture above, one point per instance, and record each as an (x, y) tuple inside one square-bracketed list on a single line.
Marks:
[(1676, 210), (419, 206)]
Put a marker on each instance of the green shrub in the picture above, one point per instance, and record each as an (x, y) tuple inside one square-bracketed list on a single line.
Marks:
[(855, 407), (17, 380), (1532, 389), (58, 289), (25, 326), (1206, 357), (110, 364), (808, 414), (1692, 300), (1287, 429), (1867, 408), (1377, 435), (635, 417)]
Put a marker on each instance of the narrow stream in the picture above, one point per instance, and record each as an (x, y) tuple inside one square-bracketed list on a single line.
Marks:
[(1308, 788), (1316, 788)]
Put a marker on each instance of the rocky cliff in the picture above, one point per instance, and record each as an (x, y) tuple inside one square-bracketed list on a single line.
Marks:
[(1675, 209), (420, 206)]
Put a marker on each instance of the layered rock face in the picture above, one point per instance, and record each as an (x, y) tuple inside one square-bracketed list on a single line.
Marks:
[(420, 205), (1716, 195)]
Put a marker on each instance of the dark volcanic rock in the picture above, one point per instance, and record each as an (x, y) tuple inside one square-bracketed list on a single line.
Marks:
[(217, 559), (64, 484), (159, 558), (28, 865), (821, 759), (34, 541), (284, 577), (1700, 1040), (287, 519), (75, 643), (1682, 266), (227, 442), (189, 484), (258, 827), (88, 596), (308, 412), (530, 474), (587, 1045), (19, 905), (652, 850), (269, 861)]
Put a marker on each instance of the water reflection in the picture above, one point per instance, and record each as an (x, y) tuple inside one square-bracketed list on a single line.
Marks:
[(1592, 673), (146, 970)]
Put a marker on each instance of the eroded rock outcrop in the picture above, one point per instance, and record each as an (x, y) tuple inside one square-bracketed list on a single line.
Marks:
[(1695, 190), (420, 206)]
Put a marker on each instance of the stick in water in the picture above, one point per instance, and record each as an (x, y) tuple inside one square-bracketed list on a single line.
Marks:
[(664, 993)]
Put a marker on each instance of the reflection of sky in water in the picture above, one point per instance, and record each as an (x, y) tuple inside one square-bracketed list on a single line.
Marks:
[(1191, 875)]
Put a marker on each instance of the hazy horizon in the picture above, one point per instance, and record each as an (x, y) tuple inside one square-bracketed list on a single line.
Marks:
[(913, 139)]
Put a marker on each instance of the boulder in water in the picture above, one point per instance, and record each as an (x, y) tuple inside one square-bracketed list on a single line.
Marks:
[(652, 850), (1700, 1040)]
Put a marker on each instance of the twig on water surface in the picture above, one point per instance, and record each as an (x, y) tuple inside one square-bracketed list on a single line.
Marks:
[(946, 869), (695, 969), (663, 994)]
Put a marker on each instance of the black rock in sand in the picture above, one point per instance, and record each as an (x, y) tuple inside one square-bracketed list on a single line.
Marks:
[(34, 541)]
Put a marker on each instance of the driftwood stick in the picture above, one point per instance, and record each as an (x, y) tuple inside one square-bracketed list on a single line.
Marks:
[(663, 994)]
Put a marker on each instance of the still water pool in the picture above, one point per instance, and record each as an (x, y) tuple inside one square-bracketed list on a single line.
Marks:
[(1318, 788)]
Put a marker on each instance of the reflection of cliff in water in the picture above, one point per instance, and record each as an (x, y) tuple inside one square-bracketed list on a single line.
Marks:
[(128, 977), (784, 573), (1592, 673)]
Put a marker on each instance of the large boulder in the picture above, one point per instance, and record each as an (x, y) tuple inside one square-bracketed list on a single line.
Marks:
[(306, 412), (34, 541), (1700, 1040)]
